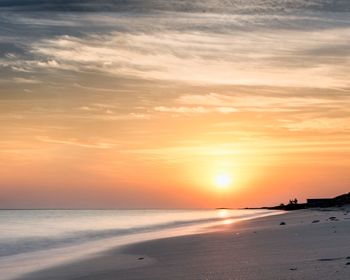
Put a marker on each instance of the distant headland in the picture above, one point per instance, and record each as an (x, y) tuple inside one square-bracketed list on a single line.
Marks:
[(293, 204)]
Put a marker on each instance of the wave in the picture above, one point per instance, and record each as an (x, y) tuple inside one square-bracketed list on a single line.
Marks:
[(9, 247)]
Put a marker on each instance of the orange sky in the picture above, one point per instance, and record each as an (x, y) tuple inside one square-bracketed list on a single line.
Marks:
[(122, 111)]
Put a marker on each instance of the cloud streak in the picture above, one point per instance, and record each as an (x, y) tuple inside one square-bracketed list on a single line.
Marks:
[(259, 58), (234, 44), (76, 142), (218, 6)]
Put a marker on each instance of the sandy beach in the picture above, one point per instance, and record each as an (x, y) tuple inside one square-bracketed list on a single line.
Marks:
[(309, 244)]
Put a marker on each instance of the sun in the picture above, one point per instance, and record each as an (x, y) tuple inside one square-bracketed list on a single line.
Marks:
[(222, 181)]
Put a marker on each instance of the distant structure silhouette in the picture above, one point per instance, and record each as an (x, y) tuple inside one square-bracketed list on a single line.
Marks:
[(293, 204), (329, 202)]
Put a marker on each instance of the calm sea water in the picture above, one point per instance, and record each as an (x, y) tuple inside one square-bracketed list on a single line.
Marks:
[(28, 237)]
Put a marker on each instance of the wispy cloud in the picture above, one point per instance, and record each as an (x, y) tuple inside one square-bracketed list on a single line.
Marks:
[(244, 151), (258, 58), (260, 103), (26, 80), (195, 110), (275, 43), (325, 125), (76, 142), (217, 6)]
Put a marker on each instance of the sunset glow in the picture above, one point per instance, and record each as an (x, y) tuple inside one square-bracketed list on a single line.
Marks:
[(223, 181), (169, 107)]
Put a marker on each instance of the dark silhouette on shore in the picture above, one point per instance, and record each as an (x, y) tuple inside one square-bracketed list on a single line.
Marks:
[(293, 204)]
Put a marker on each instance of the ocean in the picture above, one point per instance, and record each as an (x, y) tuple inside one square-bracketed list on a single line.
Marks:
[(35, 239)]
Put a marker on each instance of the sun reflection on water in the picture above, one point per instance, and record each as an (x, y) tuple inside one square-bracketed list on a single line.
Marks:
[(227, 221), (225, 215)]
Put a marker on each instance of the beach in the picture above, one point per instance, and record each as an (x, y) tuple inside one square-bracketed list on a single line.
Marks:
[(52, 238), (303, 244), (174, 139)]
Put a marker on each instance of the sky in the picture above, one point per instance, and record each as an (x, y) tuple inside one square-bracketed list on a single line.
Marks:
[(147, 103)]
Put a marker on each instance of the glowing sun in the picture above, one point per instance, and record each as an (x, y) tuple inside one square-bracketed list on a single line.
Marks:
[(222, 181)]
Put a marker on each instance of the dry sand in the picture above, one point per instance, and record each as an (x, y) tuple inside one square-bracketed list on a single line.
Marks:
[(308, 246)]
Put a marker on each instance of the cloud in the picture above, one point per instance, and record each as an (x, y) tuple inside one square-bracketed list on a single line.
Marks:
[(209, 6), (257, 58), (195, 110), (76, 142), (275, 43), (259, 103), (49, 64), (325, 125), (242, 151), (26, 81)]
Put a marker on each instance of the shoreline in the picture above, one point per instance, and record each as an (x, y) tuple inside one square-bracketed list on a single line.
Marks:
[(308, 246), (51, 257)]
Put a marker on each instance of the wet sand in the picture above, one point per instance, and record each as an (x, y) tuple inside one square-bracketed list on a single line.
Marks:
[(309, 246)]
